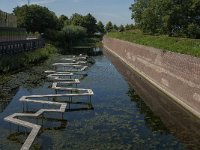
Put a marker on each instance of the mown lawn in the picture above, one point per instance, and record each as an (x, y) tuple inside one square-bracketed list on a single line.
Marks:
[(175, 44)]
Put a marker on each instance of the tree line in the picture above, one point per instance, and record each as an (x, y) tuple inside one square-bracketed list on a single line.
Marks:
[(36, 18), (171, 17), (110, 27), (63, 31)]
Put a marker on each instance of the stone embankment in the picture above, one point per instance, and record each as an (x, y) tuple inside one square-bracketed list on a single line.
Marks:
[(177, 75)]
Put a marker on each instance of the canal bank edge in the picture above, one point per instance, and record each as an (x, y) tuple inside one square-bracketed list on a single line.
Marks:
[(177, 75)]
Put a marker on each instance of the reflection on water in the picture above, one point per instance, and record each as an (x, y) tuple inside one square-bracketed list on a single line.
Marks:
[(160, 112), (152, 120), (3, 105), (118, 117), (90, 51)]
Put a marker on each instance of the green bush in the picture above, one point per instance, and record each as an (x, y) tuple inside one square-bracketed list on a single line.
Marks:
[(73, 33), (193, 31), (67, 37), (23, 60)]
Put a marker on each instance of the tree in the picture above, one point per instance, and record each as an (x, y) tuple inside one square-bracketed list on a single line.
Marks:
[(100, 27), (133, 27), (148, 14), (137, 10), (127, 27), (184, 18), (35, 18), (90, 24), (109, 27), (172, 17), (115, 27), (74, 33), (193, 30), (77, 20), (61, 21), (121, 28)]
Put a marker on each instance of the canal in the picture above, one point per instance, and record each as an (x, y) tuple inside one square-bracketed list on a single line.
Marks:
[(126, 113)]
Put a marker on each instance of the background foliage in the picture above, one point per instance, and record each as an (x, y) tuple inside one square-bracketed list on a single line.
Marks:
[(172, 17)]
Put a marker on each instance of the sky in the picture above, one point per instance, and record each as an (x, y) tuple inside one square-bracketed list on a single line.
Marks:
[(116, 11)]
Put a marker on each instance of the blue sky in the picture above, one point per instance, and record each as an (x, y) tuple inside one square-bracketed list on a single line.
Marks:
[(116, 11)]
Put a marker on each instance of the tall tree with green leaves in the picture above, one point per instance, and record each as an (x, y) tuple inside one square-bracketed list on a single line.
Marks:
[(115, 27), (77, 20), (90, 24), (35, 18), (61, 21), (100, 27), (127, 27), (172, 17), (121, 28), (109, 27)]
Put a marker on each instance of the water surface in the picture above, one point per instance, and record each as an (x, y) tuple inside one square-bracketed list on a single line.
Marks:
[(124, 115)]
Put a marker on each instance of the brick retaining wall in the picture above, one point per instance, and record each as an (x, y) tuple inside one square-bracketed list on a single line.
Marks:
[(177, 75)]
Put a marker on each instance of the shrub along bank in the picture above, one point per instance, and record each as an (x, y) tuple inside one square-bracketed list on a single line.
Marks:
[(14, 63)]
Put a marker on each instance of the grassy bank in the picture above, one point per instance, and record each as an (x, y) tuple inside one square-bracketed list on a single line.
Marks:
[(174, 44), (14, 63)]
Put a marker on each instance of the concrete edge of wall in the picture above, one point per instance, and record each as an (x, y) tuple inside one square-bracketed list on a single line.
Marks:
[(177, 100)]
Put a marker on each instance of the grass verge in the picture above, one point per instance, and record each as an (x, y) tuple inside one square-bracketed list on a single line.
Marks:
[(174, 44)]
